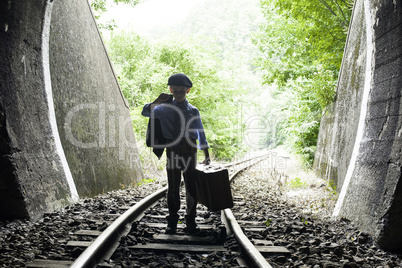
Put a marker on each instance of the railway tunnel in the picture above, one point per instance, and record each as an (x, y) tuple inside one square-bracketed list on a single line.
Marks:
[(66, 130)]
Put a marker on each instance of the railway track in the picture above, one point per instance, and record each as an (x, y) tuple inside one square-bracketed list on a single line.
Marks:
[(137, 231)]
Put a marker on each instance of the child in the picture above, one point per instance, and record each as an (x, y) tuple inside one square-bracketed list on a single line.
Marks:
[(181, 127)]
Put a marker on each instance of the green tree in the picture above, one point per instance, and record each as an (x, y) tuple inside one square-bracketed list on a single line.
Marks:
[(143, 69), (299, 35), (321, 23), (284, 55), (101, 6), (302, 45)]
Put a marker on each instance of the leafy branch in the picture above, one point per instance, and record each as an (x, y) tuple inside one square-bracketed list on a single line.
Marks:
[(302, 43)]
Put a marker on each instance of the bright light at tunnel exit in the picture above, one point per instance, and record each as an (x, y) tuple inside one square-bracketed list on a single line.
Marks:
[(152, 13)]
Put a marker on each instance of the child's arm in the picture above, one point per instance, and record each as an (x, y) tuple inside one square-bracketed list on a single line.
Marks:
[(206, 160), (163, 97)]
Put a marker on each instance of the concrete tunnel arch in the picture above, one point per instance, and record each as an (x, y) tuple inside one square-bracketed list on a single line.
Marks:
[(34, 180), (65, 126)]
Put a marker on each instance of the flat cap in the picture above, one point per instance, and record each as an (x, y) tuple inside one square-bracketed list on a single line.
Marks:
[(180, 80)]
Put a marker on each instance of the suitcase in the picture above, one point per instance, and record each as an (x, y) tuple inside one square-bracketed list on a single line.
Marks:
[(213, 187)]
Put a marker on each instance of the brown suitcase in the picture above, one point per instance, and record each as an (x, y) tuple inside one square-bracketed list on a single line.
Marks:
[(213, 187)]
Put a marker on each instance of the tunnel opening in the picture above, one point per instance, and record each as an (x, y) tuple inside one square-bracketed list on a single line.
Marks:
[(102, 148)]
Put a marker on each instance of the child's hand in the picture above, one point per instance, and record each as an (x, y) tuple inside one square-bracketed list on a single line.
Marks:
[(206, 161), (163, 97)]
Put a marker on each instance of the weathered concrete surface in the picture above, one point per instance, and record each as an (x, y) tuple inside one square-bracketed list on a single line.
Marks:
[(92, 115), (339, 124), (360, 147), (91, 147), (34, 177)]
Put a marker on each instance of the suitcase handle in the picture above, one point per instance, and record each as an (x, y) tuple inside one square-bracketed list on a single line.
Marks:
[(209, 166)]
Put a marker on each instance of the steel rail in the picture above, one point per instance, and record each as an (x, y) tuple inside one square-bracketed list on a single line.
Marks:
[(249, 249), (260, 158), (246, 160), (93, 254)]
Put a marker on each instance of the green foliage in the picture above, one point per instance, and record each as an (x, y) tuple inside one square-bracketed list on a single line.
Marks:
[(302, 46), (297, 183), (284, 56), (298, 35), (323, 85), (300, 104), (323, 24), (212, 46), (145, 181), (305, 221), (142, 77), (143, 69), (302, 113), (332, 188), (100, 6)]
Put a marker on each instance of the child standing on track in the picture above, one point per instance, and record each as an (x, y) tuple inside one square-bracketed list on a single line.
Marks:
[(181, 127)]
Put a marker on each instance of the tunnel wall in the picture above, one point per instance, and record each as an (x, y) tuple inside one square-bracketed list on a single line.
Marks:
[(34, 175), (93, 116), (360, 141), (339, 123), (42, 168)]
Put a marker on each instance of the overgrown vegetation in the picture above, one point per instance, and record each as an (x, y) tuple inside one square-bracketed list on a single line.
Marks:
[(302, 44), (203, 49), (298, 50), (143, 70), (296, 183), (145, 181)]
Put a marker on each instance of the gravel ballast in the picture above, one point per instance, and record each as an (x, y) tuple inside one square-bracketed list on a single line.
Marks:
[(295, 205)]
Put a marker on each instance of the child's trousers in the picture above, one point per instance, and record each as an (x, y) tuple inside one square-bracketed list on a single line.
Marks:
[(181, 158)]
